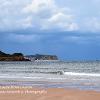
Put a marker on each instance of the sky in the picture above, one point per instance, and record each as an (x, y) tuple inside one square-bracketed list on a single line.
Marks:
[(69, 29)]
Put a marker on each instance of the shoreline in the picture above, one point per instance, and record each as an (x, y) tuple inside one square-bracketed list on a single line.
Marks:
[(47, 94)]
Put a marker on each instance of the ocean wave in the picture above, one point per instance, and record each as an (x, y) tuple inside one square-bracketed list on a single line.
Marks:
[(51, 72)]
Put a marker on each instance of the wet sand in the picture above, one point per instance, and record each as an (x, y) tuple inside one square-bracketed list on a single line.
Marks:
[(47, 94)]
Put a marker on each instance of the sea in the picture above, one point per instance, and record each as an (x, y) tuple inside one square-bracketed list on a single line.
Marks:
[(83, 75)]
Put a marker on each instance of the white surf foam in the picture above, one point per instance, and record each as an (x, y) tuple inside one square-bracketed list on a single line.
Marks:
[(81, 74)]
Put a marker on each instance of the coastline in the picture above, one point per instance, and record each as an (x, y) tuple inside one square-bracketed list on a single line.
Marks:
[(48, 94)]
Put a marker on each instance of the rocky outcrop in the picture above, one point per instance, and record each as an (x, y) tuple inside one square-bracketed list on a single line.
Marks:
[(13, 57)]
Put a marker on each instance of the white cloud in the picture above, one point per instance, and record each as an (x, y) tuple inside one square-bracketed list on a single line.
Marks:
[(38, 5), (49, 15), (10, 14), (73, 27), (60, 16), (25, 23), (92, 24), (36, 14), (61, 21)]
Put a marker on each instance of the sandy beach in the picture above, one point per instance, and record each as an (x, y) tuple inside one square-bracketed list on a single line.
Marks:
[(47, 94)]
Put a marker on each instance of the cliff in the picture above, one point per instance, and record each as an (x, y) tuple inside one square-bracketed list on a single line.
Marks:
[(13, 57)]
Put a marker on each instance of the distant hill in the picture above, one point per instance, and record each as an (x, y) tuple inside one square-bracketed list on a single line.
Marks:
[(13, 57), (2, 54)]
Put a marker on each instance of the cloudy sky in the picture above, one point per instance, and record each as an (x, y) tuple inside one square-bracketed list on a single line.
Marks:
[(68, 28)]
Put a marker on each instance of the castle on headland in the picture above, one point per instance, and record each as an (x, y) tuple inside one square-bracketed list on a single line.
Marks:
[(21, 57)]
